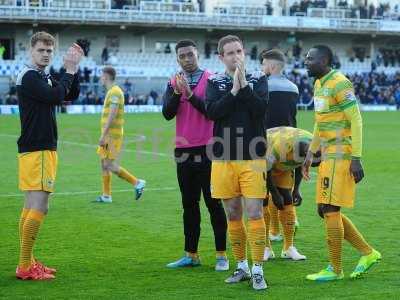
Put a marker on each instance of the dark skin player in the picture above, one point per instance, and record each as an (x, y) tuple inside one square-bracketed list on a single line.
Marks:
[(318, 65)]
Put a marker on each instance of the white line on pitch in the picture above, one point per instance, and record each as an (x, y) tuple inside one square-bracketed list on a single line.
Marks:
[(94, 146), (92, 192)]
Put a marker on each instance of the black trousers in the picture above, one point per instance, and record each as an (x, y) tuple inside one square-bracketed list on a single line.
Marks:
[(194, 175)]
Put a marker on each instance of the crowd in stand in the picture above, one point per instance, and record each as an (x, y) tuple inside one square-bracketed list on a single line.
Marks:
[(387, 58), (302, 6), (191, 4), (371, 88), (382, 11)]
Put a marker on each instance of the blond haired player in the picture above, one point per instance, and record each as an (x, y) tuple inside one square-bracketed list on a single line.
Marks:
[(38, 95), (110, 143)]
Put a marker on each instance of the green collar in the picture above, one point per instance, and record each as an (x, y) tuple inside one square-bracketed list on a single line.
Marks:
[(326, 77)]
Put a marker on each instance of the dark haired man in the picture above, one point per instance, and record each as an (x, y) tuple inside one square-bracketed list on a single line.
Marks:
[(338, 132), (184, 100)]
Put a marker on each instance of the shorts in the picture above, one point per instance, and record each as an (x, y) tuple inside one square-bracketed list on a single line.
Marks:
[(110, 150), (37, 170), (283, 179), (335, 183), (231, 179)]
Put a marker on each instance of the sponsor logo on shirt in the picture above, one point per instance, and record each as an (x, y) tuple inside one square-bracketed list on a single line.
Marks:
[(320, 104), (349, 96)]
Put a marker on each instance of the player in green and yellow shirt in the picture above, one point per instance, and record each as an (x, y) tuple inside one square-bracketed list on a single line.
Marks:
[(112, 132), (287, 148), (338, 133)]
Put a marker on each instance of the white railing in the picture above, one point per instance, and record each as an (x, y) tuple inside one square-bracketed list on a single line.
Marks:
[(330, 13), (191, 19), (240, 10), (164, 7)]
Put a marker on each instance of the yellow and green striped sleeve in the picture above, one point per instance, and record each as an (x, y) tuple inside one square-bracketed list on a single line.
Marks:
[(354, 116), (316, 140)]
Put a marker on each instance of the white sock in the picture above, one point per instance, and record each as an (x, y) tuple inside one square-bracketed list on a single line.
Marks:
[(244, 265), (257, 269), (138, 181)]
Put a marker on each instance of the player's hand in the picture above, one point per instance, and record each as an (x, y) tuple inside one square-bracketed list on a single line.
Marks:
[(277, 199), (305, 168), (242, 73), (297, 198), (356, 169), (78, 48), (236, 83), (102, 141), (179, 87), (72, 58), (182, 85)]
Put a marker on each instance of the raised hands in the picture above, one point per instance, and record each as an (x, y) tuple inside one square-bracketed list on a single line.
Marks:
[(239, 78), (242, 73), (72, 58), (182, 86)]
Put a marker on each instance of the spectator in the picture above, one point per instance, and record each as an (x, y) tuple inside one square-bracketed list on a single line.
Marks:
[(86, 74), (95, 83), (201, 5), (269, 9), (379, 58), (11, 97), (85, 45), (343, 4), (363, 12), (119, 4), (104, 56), (295, 8), (304, 5), (154, 95), (297, 49), (397, 96), (372, 11), (128, 86), (207, 49), (90, 98), (254, 53)]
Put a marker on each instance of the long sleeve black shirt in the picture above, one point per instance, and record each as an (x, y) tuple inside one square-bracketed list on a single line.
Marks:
[(38, 95), (239, 129)]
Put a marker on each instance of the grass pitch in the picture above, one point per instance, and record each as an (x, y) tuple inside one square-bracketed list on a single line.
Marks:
[(120, 250)]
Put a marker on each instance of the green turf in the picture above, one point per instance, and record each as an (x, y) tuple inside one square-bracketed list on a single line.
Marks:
[(120, 250)]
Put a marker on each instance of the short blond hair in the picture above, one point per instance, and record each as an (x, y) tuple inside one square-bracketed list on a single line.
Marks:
[(44, 37)]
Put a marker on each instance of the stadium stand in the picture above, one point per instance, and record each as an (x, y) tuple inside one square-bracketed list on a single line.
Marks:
[(142, 62)]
